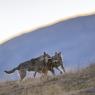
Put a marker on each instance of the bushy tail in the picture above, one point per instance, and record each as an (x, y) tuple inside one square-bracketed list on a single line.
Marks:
[(11, 71)]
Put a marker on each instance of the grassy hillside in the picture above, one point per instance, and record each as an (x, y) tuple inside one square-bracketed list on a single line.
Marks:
[(81, 82)]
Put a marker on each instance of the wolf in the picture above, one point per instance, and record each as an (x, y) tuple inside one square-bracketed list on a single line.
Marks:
[(54, 62), (38, 64), (57, 61), (41, 64)]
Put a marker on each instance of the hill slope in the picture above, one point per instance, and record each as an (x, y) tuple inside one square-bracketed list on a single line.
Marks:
[(75, 38), (75, 83)]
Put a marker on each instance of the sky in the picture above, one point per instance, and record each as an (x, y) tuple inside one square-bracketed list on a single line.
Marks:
[(21, 16)]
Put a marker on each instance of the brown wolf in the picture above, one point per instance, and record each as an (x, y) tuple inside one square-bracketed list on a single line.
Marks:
[(40, 64), (47, 64), (57, 61), (37, 64), (54, 62)]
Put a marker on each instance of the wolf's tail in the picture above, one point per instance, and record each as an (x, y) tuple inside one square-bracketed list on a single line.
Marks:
[(11, 71)]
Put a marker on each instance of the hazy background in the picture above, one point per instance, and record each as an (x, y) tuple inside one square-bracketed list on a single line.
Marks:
[(73, 37)]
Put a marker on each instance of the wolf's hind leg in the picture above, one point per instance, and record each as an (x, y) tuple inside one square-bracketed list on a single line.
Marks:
[(22, 73), (35, 74)]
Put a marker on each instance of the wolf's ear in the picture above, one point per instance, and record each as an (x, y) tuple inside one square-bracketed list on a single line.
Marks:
[(55, 53), (44, 53), (59, 53)]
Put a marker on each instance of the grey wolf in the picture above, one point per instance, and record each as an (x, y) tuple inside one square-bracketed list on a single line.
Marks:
[(54, 62), (35, 64), (41, 64)]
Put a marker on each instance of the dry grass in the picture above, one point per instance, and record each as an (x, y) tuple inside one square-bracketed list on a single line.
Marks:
[(77, 83)]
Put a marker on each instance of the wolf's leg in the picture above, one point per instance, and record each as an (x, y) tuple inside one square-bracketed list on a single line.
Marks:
[(59, 70), (35, 74), (22, 73), (52, 70), (44, 72), (63, 67)]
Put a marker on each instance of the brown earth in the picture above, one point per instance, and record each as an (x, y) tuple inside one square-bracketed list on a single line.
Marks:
[(81, 82)]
